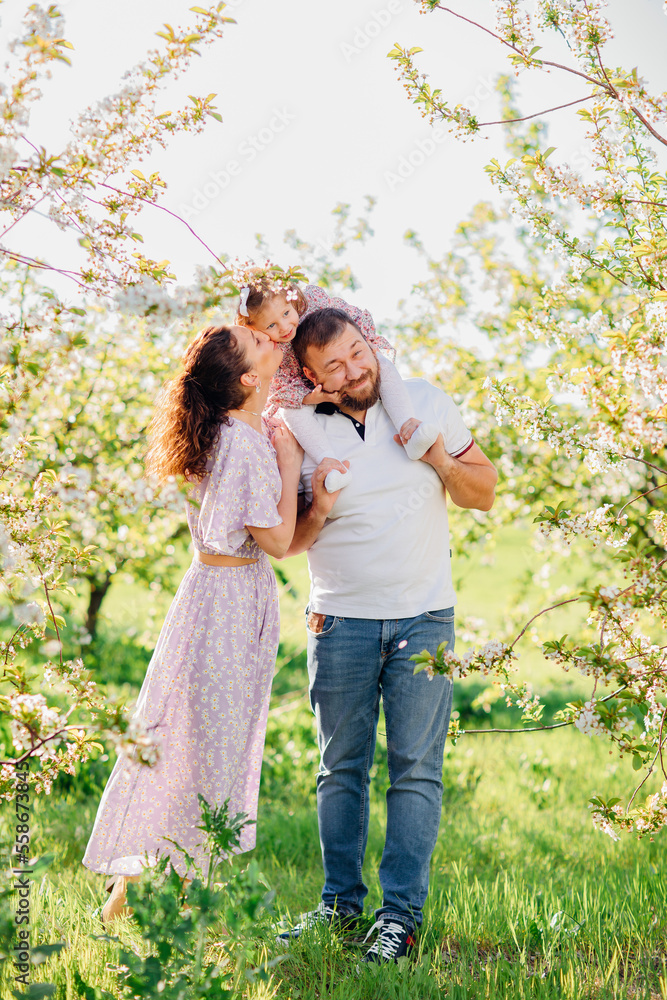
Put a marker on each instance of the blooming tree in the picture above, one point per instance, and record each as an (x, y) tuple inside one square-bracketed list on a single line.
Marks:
[(77, 382), (571, 267)]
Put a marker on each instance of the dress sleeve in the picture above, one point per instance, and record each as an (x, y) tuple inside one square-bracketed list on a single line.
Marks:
[(319, 298), (242, 490), (288, 386)]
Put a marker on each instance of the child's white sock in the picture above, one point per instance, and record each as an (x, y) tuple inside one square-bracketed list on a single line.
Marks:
[(421, 440), (396, 401)]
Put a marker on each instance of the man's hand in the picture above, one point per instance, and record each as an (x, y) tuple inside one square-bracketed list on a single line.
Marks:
[(435, 456), (311, 520), (323, 501), (470, 480)]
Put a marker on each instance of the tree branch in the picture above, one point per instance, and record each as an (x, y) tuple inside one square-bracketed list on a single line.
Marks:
[(648, 774), (514, 48), (539, 729), (147, 201), (639, 201), (31, 262), (46, 739), (603, 84), (560, 604), (634, 499), (53, 619), (633, 458), (538, 114), (531, 729)]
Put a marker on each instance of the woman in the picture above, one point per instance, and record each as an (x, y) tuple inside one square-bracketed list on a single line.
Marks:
[(205, 696)]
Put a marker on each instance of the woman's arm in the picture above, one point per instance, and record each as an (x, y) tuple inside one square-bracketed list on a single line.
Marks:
[(276, 541), (312, 518)]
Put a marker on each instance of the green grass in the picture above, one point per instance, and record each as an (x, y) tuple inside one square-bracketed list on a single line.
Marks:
[(526, 898)]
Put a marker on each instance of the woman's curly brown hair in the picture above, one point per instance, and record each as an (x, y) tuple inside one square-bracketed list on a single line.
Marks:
[(191, 406)]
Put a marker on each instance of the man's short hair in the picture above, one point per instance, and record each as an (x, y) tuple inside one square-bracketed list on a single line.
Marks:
[(318, 329)]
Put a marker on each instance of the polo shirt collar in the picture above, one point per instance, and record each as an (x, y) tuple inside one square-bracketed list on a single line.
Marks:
[(328, 409)]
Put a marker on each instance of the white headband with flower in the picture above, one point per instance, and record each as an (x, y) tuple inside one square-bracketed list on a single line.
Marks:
[(269, 277)]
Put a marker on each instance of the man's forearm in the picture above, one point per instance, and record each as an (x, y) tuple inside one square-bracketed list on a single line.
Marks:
[(309, 523), (469, 485)]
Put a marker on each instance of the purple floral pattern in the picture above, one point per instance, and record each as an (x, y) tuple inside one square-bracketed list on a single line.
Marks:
[(205, 696)]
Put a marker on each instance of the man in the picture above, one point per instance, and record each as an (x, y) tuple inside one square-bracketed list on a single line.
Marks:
[(381, 590)]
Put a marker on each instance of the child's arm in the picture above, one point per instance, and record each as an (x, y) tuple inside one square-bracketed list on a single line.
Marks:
[(289, 385), (310, 434)]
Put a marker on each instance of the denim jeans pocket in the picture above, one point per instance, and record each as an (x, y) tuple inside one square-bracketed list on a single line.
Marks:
[(319, 624), (442, 615)]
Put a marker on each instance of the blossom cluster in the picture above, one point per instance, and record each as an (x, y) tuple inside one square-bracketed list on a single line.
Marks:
[(138, 743), (493, 657), (73, 186), (601, 525), (32, 721)]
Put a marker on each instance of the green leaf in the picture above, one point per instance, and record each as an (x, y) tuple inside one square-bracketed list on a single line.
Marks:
[(41, 952), (36, 991)]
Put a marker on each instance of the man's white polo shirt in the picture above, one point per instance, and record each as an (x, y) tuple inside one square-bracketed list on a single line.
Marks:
[(384, 550)]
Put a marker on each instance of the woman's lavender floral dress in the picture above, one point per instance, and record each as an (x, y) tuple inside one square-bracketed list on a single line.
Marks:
[(205, 697)]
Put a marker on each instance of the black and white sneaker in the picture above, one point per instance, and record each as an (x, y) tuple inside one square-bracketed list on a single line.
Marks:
[(336, 919), (394, 941)]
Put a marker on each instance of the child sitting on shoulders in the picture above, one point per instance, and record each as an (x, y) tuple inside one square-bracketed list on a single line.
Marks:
[(275, 307)]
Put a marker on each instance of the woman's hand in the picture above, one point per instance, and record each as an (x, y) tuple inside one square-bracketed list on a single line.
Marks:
[(277, 540), (288, 450)]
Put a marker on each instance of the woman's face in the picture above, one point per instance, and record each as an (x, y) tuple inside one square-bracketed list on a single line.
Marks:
[(278, 319), (263, 355)]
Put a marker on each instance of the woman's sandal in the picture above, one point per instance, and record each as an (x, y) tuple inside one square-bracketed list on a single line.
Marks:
[(115, 905)]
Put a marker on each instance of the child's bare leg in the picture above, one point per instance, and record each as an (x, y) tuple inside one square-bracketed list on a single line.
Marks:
[(312, 438), (417, 437)]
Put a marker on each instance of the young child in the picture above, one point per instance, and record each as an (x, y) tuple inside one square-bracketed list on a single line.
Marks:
[(275, 308)]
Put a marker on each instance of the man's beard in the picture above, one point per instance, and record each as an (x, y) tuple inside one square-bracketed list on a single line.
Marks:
[(369, 397)]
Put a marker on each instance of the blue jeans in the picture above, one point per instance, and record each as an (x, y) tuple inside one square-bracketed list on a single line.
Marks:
[(351, 663)]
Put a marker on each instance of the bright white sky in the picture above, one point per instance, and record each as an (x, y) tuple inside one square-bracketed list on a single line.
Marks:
[(318, 71)]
